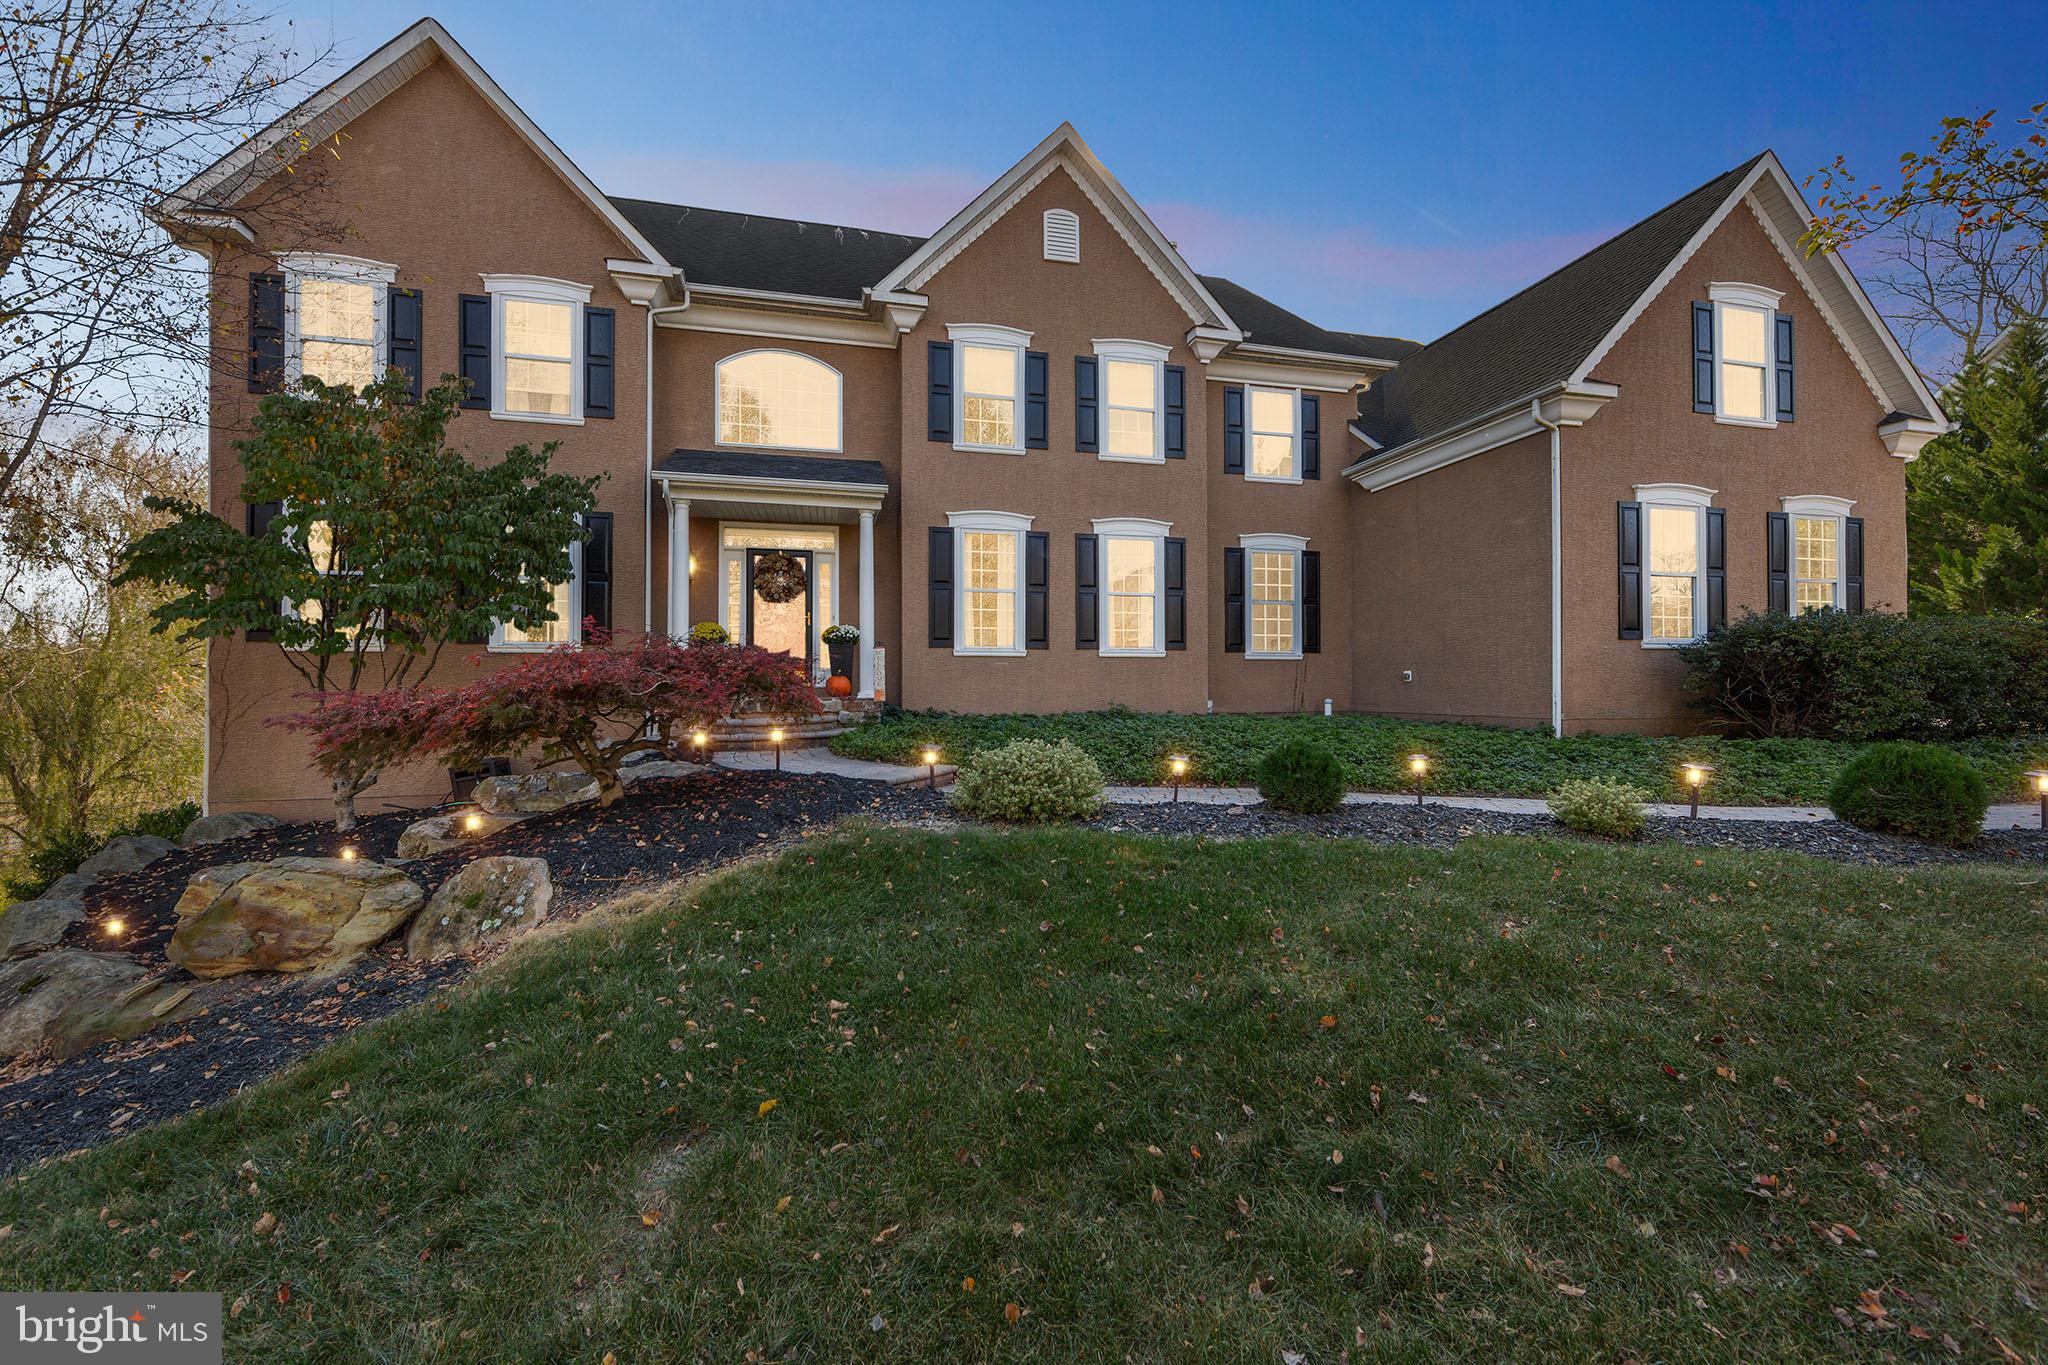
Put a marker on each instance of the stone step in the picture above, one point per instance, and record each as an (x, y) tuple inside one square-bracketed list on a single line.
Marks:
[(806, 737)]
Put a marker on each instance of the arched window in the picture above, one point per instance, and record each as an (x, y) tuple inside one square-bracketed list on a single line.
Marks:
[(778, 398)]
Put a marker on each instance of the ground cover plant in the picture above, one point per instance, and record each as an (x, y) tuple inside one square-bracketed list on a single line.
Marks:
[(1061, 1094), (1029, 781), (1132, 747), (1599, 805)]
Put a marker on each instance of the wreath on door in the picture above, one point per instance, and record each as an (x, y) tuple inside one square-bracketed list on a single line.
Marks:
[(779, 577)]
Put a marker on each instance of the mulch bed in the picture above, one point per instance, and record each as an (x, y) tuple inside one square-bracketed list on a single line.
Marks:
[(662, 829)]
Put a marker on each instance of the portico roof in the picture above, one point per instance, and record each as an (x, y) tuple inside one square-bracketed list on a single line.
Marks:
[(735, 483)]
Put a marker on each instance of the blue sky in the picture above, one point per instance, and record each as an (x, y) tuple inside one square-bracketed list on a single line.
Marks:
[(1381, 169)]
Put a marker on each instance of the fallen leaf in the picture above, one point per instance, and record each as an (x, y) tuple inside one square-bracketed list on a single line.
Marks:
[(1570, 1291), (766, 1105), (1329, 1021), (885, 1234), (967, 1285), (265, 1225), (649, 1217), (1011, 1312), (1614, 1164)]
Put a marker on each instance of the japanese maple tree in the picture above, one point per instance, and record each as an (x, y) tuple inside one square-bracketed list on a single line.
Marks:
[(357, 735)]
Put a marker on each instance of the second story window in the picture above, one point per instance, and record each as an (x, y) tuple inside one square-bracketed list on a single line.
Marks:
[(1133, 390), (537, 360), (334, 318), (778, 398), (1275, 435), (989, 381), (1746, 348)]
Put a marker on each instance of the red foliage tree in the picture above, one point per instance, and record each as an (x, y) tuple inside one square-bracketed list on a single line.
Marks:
[(356, 735)]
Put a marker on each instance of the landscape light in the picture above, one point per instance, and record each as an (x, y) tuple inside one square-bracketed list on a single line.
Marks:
[(1418, 766), (2040, 776), (1178, 766), (116, 927), (931, 763), (348, 853), (472, 823), (1696, 775), (775, 738), (697, 742)]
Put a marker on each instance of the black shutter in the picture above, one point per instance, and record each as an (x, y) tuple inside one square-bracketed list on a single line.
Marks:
[(266, 332), (404, 321), (1087, 431), (1037, 574), (1233, 601), (476, 349), (1233, 433), (1852, 564), (1703, 357), (599, 343), (1717, 568), (1784, 366), (260, 515), (1629, 583), (939, 582), (1176, 414), (938, 406), (1779, 538), (1176, 593), (1036, 381), (1311, 436), (1085, 608), (1311, 601), (596, 603)]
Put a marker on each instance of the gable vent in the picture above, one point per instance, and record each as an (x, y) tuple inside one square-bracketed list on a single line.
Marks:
[(1062, 235)]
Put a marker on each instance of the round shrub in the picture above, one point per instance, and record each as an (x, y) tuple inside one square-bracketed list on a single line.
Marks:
[(1302, 776), (1913, 789), (1606, 806), (1029, 780)]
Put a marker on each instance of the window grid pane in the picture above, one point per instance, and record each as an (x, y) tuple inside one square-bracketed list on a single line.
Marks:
[(1272, 602), (989, 603), (1743, 331), (555, 632), (537, 330), (1671, 608), (1673, 560), (1742, 390), (988, 421), (1131, 592), (337, 310), (778, 399), (1818, 542), (339, 362), (540, 386)]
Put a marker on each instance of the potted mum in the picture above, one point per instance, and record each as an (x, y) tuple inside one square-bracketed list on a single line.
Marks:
[(839, 643)]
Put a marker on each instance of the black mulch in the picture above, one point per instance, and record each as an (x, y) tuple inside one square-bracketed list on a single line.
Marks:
[(662, 829), (1439, 826)]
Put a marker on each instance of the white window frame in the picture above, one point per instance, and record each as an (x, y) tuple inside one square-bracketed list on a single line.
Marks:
[(1252, 432), (300, 266), (287, 607), (1062, 226), (1686, 497), (500, 645), (1754, 298), (990, 335), (1140, 353), (718, 401), (1816, 507), (1131, 528), (1013, 524), (1272, 543), (537, 289)]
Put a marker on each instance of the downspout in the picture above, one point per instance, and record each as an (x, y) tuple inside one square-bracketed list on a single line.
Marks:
[(647, 486), (1556, 569)]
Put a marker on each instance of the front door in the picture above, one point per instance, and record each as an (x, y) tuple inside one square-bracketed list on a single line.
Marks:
[(784, 627)]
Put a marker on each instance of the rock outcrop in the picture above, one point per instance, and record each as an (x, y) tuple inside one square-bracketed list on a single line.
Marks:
[(288, 915), (489, 899), (439, 833), (32, 926), (532, 793), (228, 824), (129, 853)]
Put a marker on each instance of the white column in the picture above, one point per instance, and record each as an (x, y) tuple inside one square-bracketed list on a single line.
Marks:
[(679, 567), (867, 604)]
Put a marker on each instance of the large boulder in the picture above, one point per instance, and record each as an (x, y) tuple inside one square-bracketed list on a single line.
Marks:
[(129, 853), (72, 886), (288, 915), (533, 793), (491, 898), (439, 833), (62, 1000), (228, 824), (34, 925)]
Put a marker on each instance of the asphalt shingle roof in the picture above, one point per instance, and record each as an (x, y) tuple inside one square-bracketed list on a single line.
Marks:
[(1541, 335), (781, 255), (747, 465), (1266, 323)]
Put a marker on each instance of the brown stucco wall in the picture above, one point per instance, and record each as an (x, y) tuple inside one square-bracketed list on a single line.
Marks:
[(1452, 582), (1650, 434)]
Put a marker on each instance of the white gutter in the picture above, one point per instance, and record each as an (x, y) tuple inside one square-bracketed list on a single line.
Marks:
[(1556, 568), (647, 494)]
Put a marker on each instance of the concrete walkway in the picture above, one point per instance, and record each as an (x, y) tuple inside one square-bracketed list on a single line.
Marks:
[(821, 760)]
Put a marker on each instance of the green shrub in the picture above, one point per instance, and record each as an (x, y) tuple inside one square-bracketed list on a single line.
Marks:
[(1600, 805), (1302, 776), (1913, 789), (1874, 675), (1028, 779), (50, 860), (166, 822)]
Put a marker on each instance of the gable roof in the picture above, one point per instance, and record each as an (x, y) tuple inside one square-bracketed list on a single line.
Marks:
[(208, 198), (773, 255), (1557, 330), (1266, 323)]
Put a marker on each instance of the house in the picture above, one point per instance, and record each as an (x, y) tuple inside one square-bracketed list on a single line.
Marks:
[(1045, 464)]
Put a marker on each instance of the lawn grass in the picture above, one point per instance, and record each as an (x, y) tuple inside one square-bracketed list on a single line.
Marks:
[(1591, 1102), (1131, 747)]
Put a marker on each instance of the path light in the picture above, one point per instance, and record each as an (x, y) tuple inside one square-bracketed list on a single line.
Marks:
[(1418, 768), (1177, 764), (116, 926), (472, 823), (2040, 776), (348, 853), (931, 763), (1696, 775), (775, 738), (697, 742)]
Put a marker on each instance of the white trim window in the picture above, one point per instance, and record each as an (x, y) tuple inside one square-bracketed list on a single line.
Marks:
[(334, 318), (1674, 562), (1817, 532), (1133, 400), (1132, 600), (566, 628), (328, 563), (536, 348), (988, 387), (988, 588), (1272, 597), (783, 400), (1272, 420), (1745, 337)]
